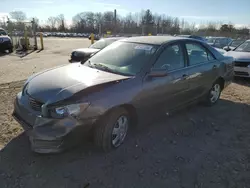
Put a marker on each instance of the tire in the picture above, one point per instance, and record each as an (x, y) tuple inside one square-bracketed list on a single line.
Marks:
[(10, 50), (104, 134), (214, 94)]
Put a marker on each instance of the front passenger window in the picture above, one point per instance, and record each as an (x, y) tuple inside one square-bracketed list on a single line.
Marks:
[(171, 58)]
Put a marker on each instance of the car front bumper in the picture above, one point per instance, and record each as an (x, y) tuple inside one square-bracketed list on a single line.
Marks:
[(49, 135), (6, 45), (242, 71)]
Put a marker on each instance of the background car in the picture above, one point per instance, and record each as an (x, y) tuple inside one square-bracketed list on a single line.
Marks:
[(241, 55), (5, 41), (218, 42), (131, 81), (222, 51), (233, 44), (82, 54)]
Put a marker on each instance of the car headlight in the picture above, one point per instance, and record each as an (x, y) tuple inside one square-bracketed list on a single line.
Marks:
[(69, 110), (248, 66)]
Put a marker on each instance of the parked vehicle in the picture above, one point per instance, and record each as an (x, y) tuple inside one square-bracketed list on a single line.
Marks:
[(232, 45), (222, 51), (218, 42), (5, 41), (241, 55), (130, 81), (82, 54)]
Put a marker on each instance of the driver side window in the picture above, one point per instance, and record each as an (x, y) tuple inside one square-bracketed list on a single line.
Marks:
[(171, 58)]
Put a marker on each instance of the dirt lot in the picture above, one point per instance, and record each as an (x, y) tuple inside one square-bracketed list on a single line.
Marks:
[(56, 52), (202, 147)]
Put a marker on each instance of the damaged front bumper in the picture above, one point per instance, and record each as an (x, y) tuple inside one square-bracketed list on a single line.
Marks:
[(49, 135)]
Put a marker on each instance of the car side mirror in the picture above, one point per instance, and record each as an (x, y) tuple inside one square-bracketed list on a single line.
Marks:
[(158, 73)]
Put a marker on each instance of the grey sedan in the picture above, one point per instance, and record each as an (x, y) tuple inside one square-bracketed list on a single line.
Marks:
[(130, 82)]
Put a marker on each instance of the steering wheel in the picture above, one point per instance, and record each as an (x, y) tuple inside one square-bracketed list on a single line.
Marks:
[(165, 66)]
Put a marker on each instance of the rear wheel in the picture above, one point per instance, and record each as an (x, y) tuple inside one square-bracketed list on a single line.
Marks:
[(111, 132), (214, 94)]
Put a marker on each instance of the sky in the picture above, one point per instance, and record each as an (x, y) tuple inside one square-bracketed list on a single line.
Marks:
[(198, 11)]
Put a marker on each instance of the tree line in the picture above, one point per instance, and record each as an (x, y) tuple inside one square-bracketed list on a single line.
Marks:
[(143, 22)]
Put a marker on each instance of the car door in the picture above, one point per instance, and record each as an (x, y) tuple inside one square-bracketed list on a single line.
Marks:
[(202, 68), (162, 94)]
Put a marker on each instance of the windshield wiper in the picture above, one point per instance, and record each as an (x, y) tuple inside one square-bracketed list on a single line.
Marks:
[(106, 68), (103, 67)]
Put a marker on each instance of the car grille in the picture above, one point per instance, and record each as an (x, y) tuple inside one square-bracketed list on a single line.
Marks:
[(240, 73), (35, 105), (241, 64)]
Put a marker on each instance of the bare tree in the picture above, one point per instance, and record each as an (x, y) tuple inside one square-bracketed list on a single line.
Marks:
[(135, 23), (19, 16), (61, 22), (52, 22)]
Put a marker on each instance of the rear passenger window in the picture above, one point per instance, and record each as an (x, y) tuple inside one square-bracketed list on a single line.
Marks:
[(198, 54)]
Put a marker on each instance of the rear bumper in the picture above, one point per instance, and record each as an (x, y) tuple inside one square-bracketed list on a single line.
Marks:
[(74, 59), (242, 71), (50, 135)]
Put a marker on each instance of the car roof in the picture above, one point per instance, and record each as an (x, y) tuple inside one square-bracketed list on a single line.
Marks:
[(155, 40)]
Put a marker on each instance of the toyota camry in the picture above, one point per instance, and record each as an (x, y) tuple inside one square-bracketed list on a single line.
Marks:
[(129, 82)]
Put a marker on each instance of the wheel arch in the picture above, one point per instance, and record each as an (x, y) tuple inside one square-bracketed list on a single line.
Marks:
[(221, 81), (129, 108)]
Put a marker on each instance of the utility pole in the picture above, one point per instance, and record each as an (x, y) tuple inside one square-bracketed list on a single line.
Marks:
[(100, 30), (34, 25), (114, 22)]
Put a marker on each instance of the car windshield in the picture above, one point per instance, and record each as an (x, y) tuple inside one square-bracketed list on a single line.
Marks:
[(236, 43), (2, 32), (123, 58), (245, 47), (102, 43)]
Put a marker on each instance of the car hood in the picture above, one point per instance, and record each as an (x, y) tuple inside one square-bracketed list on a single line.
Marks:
[(86, 50), (60, 83), (239, 56), (221, 50)]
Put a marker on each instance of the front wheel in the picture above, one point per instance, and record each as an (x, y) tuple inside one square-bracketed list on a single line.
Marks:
[(111, 132), (10, 50), (214, 94)]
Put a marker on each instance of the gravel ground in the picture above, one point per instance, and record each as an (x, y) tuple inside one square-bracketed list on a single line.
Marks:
[(56, 52), (200, 147)]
